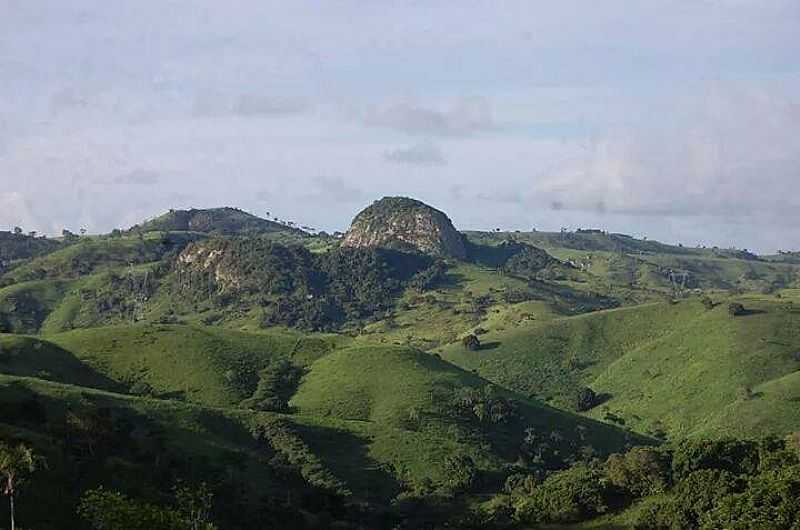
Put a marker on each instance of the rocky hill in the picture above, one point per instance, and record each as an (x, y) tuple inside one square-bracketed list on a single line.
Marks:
[(222, 221), (406, 224)]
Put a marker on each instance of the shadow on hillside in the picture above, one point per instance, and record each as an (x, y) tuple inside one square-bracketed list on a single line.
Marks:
[(347, 456), (489, 346), (452, 280), (47, 361), (748, 312)]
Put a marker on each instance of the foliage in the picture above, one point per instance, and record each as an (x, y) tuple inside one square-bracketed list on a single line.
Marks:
[(111, 510), (585, 399), (573, 495), (276, 384), (461, 473), (736, 309), (471, 342), (640, 472)]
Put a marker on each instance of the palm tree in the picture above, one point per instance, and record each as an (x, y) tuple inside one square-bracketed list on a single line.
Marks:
[(15, 464)]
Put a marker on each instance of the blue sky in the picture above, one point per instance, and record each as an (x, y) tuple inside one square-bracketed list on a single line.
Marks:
[(678, 120)]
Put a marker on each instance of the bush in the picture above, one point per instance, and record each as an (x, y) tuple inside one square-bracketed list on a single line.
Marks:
[(276, 385), (640, 472), (110, 510), (461, 473), (570, 496), (771, 501), (736, 309), (471, 342), (585, 399), (735, 456), (520, 484)]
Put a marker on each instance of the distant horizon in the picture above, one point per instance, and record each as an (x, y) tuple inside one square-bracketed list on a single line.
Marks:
[(299, 223)]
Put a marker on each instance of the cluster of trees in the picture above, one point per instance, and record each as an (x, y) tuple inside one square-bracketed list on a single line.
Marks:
[(301, 289), (276, 385), (696, 484), (112, 510)]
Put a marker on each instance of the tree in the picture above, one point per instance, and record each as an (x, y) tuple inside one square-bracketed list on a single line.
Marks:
[(17, 230), (471, 342), (16, 463)]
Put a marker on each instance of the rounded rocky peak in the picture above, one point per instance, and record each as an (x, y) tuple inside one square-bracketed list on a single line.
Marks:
[(406, 224)]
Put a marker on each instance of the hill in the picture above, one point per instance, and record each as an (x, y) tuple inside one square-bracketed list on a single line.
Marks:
[(419, 412), (251, 461), (669, 369), (378, 425), (17, 246), (219, 221), (405, 224), (204, 365)]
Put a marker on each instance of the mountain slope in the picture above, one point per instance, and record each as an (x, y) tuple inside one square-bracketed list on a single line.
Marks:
[(417, 410), (672, 368)]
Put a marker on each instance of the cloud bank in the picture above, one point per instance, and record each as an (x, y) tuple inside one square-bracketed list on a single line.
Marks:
[(674, 119)]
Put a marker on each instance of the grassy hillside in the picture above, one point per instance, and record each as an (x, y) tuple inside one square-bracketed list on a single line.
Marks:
[(416, 410), (372, 422), (24, 307), (673, 368), (251, 461), (205, 365)]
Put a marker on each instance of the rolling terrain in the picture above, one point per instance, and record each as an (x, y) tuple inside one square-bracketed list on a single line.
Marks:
[(404, 374)]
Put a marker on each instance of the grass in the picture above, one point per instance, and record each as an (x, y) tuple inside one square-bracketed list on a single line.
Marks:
[(166, 437), (676, 368), (26, 306), (400, 400), (208, 365)]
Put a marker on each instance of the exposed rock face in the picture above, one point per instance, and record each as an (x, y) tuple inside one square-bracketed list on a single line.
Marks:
[(406, 224), (209, 258)]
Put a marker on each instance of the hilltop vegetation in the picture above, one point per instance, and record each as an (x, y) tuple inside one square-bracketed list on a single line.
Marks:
[(217, 221), (403, 376)]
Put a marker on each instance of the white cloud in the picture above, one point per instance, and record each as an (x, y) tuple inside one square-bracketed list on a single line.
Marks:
[(466, 116), (423, 154)]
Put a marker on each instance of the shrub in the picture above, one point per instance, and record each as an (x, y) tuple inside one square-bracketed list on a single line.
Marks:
[(640, 472), (276, 385), (735, 456), (520, 484), (585, 399), (736, 309), (110, 510), (570, 496), (461, 473), (471, 342), (771, 501)]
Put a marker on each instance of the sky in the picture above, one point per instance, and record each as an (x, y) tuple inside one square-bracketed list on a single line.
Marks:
[(677, 120)]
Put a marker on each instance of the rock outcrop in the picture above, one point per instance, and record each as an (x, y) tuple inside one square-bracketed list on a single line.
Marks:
[(406, 224)]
